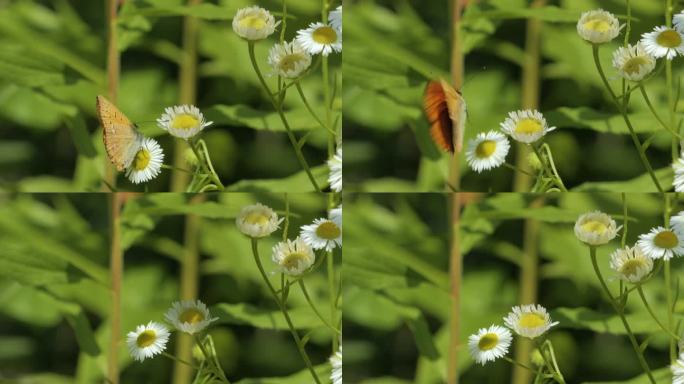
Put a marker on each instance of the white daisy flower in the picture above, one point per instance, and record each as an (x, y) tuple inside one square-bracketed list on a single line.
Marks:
[(489, 344), (189, 316), (526, 126), (529, 320), (677, 222), (487, 151), (293, 257), (663, 42), (598, 26), (678, 370), (631, 264), (633, 63), (662, 243), (324, 233), (146, 164), (678, 182), (335, 165), (254, 23), (320, 38), (289, 60), (336, 363), (678, 21), (183, 121), (147, 340), (596, 228), (335, 18), (257, 221), (336, 215)]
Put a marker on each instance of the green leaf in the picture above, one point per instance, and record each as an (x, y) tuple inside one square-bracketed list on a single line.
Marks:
[(588, 118), (245, 314), (640, 184), (548, 13), (84, 333), (585, 318), (299, 182), (303, 376), (245, 116), (80, 136)]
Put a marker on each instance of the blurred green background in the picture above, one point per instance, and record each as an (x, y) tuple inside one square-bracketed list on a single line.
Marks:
[(53, 66), (393, 47), (55, 299), (397, 286)]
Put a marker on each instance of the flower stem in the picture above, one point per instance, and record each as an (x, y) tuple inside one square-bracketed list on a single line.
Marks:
[(668, 282), (278, 107), (217, 370), (313, 307), (642, 88), (547, 168), (205, 164), (116, 273), (293, 331), (519, 364), (620, 312), (650, 311), (311, 111), (517, 169), (623, 112)]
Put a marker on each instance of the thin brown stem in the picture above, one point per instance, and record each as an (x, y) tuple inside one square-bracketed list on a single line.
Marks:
[(188, 92), (116, 274), (189, 285), (457, 73), (455, 276), (113, 71)]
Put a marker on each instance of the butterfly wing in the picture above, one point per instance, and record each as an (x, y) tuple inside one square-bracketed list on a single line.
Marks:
[(445, 110), (436, 109), (121, 139)]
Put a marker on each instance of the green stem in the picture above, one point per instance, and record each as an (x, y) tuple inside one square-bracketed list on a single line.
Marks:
[(623, 112), (546, 168), (668, 282), (218, 371), (293, 331), (554, 363), (642, 88), (174, 358), (552, 164), (650, 311), (517, 169), (519, 364), (313, 307), (203, 164), (279, 109), (618, 309), (311, 111)]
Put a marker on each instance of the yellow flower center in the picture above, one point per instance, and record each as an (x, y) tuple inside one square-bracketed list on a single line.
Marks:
[(531, 320), (598, 25), (142, 159), (185, 121), (192, 316), (253, 22), (257, 218), (328, 230), (595, 226), (633, 65), (488, 341), (146, 338), (631, 267), (666, 239), (289, 62), (485, 149), (669, 39), (293, 259), (325, 35), (528, 126)]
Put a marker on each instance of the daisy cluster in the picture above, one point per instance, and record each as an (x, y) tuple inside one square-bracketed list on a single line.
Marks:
[(181, 121), (297, 256), (150, 339), (488, 150), (530, 321), (632, 264)]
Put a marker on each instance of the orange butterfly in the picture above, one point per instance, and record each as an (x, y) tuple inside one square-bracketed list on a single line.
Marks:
[(446, 111), (121, 138)]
